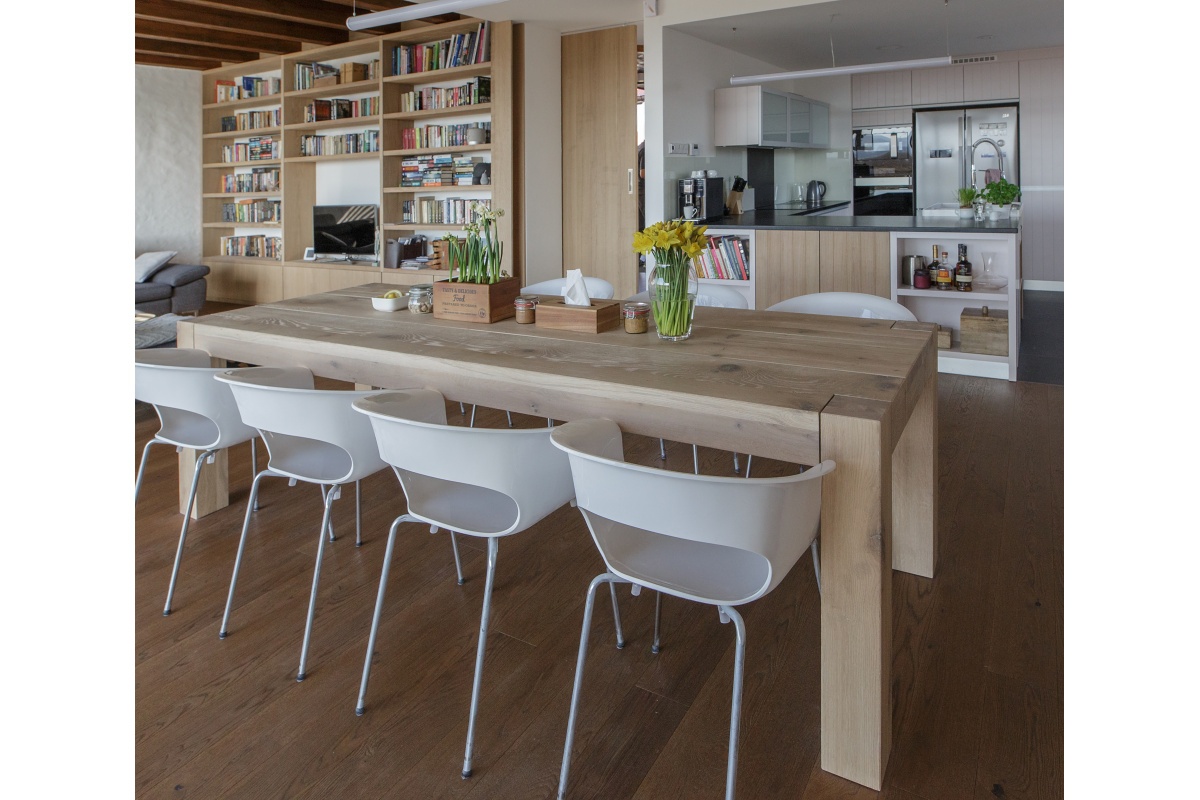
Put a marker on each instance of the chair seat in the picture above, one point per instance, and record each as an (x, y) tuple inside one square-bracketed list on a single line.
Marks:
[(309, 460), (707, 573), (184, 428), (460, 507)]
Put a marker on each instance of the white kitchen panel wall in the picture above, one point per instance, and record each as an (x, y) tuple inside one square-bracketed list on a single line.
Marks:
[(937, 85), (1042, 175), (167, 160), (878, 89), (993, 80)]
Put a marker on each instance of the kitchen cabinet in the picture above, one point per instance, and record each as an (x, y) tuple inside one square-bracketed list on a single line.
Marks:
[(758, 117), (937, 85), (881, 89), (792, 263), (881, 117), (856, 262), (995, 80)]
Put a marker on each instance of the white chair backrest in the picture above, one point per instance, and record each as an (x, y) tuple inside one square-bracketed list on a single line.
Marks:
[(846, 304), (640, 297), (774, 518), (720, 296), (522, 464), (193, 409), (282, 403), (598, 288)]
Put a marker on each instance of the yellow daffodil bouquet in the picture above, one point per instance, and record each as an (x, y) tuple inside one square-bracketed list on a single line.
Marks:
[(479, 254), (673, 244)]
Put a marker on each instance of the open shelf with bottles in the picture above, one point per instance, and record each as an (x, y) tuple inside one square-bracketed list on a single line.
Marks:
[(994, 256)]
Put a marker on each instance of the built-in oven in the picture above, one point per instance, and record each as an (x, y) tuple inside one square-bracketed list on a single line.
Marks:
[(883, 171)]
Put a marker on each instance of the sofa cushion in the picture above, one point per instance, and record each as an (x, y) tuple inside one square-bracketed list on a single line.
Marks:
[(147, 264), (145, 292), (180, 274)]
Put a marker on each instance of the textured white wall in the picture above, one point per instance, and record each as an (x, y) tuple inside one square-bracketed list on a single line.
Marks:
[(167, 162)]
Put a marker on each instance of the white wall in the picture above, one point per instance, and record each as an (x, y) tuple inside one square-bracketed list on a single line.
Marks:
[(167, 163), (543, 154)]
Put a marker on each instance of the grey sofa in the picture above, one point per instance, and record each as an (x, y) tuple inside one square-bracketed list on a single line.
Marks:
[(175, 288)]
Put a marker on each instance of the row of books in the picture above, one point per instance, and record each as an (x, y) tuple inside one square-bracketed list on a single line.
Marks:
[(444, 211), (725, 259), (251, 211), (307, 73), (458, 50), (340, 108), (258, 148), (253, 246), (246, 87), (475, 91), (249, 120), (259, 179), (340, 144), (441, 169), (440, 135)]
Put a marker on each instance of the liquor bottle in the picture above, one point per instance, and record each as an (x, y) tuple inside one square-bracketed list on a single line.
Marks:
[(945, 273), (962, 271)]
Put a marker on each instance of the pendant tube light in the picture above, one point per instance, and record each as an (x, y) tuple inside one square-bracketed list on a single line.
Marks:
[(414, 11), (920, 63)]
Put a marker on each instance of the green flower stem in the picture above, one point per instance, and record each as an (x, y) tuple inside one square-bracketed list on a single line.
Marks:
[(672, 307)]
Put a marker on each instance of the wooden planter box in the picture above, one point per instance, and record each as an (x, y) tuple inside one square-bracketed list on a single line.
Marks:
[(475, 302)]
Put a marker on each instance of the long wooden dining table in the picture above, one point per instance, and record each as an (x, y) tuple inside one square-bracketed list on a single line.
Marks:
[(795, 387)]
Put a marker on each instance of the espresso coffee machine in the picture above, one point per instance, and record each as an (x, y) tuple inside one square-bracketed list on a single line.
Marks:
[(701, 198)]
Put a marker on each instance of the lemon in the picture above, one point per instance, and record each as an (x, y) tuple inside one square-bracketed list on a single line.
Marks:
[(391, 295)]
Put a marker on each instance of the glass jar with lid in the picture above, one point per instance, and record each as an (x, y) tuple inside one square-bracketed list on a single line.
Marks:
[(526, 306), (636, 317), (420, 298)]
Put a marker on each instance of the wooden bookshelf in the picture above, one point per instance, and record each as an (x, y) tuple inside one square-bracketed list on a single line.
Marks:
[(305, 181)]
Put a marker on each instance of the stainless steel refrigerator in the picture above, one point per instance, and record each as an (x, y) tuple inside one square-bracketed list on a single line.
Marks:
[(955, 148)]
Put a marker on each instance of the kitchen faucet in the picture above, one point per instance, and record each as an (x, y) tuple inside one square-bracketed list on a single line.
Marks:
[(999, 157)]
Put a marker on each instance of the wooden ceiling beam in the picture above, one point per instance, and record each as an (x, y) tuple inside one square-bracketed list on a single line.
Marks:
[(160, 60), (314, 12), (236, 39), (187, 49), (200, 17)]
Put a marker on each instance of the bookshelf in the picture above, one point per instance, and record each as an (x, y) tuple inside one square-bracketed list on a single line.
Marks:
[(723, 265), (334, 125)]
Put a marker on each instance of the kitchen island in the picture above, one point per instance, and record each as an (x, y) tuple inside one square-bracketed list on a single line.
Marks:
[(794, 253)]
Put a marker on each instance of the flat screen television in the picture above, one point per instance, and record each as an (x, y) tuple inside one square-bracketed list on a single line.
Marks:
[(345, 232)]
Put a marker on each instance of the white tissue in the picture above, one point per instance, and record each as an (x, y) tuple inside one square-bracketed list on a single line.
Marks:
[(575, 292)]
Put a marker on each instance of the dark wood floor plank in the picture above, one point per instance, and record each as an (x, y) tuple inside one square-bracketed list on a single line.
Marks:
[(1021, 757)]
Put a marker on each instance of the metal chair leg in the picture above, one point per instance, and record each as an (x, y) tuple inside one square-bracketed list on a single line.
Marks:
[(654, 648), (461, 408), (358, 513), (325, 492), (387, 563), (662, 450), (816, 553), (254, 464), (749, 460), (137, 486), (493, 548), (312, 598), (509, 415), (471, 424), (457, 560), (695, 459), (617, 617), (187, 518), (735, 463), (583, 646), (735, 716), (237, 563)]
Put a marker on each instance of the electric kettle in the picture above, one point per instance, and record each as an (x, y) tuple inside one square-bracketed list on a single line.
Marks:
[(814, 192)]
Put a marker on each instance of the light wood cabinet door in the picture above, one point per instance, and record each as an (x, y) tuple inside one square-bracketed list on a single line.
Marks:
[(878, 89), (244, 282), (599, 163), (787, 264), (937, 85), (856, 262), (301, 281), (992, 81)]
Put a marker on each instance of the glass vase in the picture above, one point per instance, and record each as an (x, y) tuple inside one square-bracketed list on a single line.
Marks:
[(673, 286)]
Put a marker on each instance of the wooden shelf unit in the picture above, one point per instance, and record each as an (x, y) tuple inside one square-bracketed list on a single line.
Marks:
[(302, 179)]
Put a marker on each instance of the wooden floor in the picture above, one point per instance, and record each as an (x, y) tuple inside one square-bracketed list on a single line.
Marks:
[(977, 675)]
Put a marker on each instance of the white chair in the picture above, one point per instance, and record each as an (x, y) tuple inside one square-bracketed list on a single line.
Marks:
[(482, 482), (715, 296), (598, 288), (195, 412), (846, 304), (715, 540), (313, 436), (841, 304)]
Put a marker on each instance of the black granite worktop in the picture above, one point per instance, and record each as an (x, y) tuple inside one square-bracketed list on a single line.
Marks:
[(789, 219)]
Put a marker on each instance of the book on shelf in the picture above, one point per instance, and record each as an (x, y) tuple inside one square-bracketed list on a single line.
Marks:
[(725, 258), (307, 73), (420, 137), (251, 211), (256, 148), (253, 246), (475, 91), (246, 87), (439, 169), (249, 120), (258, 179), (459, 50), (341, 108), (340, 144)]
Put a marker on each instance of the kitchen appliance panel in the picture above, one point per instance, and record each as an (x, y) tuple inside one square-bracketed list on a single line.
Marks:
[(985, 126), (883, 170), (940, 168)]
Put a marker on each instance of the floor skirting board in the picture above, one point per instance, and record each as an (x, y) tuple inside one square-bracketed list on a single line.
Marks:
[(1042, 286)]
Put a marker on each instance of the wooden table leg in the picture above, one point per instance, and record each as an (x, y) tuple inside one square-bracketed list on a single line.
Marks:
[(915, 488), (212, 493), (856, 604)]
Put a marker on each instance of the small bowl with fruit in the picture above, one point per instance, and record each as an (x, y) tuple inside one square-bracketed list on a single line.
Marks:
[(390, 301)]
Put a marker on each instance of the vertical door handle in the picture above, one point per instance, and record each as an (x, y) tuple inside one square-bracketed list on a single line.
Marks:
[(631, 181)]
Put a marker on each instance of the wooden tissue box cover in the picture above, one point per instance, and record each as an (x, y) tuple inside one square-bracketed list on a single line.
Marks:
[(601, 315), (984, 334)]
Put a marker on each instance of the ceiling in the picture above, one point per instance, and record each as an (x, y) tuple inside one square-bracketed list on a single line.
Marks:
[(201, 34), (876, 31)]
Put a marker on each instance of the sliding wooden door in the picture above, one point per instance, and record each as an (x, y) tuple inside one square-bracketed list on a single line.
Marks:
[(599, 130)]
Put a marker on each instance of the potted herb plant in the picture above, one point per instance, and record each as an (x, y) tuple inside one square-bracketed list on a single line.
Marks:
[(966, 198), (1000, 195), (478, 290)]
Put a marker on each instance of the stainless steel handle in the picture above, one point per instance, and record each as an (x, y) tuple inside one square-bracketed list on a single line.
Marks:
[(631, 181), (893, 146)]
